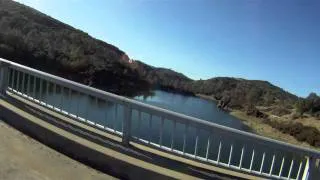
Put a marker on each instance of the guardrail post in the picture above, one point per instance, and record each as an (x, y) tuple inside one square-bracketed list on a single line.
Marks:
[(310, 169), (126, 134), (4, 74)]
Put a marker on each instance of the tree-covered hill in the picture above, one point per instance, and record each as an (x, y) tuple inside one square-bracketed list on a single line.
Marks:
[(30, 37), (243, 92), (39, 41)]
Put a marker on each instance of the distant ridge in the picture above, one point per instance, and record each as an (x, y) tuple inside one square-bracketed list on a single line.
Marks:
[(32, 38)]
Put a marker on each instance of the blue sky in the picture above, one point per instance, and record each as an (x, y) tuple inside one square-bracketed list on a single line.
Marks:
[(273, 40)]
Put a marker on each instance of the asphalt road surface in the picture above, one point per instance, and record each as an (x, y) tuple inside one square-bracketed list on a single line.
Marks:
[(23, 158)]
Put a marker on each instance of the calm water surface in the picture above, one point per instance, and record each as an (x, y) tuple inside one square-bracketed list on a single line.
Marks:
[(193, 106)]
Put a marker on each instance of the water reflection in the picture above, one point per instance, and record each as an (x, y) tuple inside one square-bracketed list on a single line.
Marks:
[(193, 106)]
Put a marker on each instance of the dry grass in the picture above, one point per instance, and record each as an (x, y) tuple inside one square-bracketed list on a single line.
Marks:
[(266, 130), (309, 121)]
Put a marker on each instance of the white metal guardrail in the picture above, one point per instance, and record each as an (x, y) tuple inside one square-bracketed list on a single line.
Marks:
[(198, 139)]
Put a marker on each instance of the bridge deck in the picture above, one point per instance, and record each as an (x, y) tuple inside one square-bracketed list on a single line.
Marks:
[(102, 150)]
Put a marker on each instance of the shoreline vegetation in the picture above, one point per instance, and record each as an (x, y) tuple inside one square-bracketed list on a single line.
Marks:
[(260, 127)]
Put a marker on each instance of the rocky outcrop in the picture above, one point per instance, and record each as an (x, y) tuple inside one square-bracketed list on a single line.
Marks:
[(253, 111), (224, 102)]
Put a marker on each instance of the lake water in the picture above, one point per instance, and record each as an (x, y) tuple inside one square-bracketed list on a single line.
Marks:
[(193, 106)]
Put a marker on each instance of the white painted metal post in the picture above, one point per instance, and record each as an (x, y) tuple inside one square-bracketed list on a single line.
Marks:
[(4, 77), (310, 169), (161, 129), (241, 157), (306, 170), (28, 84), (272, 164), (299, 170), (208, 147), (185, 138), (126, 134)]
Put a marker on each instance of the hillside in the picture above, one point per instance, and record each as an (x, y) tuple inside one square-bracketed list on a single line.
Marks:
[(32, 38), (29, 37), (241, 92), (162, 78), (39, 41)]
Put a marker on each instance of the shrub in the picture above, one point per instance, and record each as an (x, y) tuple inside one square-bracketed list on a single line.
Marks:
[(280, 111), (303, 105)]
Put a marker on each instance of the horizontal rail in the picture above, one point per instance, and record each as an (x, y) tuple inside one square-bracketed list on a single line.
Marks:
[(167, 114)]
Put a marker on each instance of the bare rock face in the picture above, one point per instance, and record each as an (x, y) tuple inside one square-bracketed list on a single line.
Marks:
[(224, 102)]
